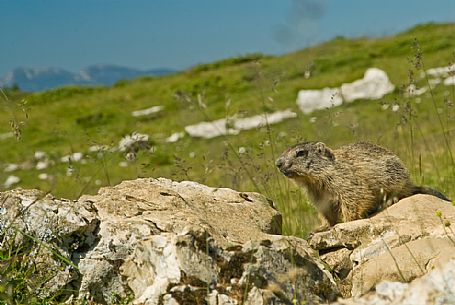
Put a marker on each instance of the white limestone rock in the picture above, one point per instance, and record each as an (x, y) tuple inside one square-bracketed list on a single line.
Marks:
[(408, 234), (449, 81), (440, 71), (262, 120), (168, 243), (6, 135), (433, 82), (233, 126), (436, 288), (11, 180), (412, 90), (60, 230), (374, 85), (40, 155), (134, 142), (74, 157), (98, 148), (43, 176), (11, 167), (208, 130), (175, 137), (311, 100), (147, 111), (40, 165)]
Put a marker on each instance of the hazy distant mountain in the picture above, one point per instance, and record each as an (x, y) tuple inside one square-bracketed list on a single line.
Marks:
[(41, 79)]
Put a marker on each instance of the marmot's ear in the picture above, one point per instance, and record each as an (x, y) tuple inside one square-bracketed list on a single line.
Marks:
[(325, 151), (320, 147)]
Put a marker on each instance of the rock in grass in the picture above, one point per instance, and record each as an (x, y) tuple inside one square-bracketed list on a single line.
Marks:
[(233, 126), (374, 85), (10, 181), (441, 71), (147, 111), (311, 100)]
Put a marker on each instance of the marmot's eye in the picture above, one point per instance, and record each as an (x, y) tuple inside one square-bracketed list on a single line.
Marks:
[(302, 153)]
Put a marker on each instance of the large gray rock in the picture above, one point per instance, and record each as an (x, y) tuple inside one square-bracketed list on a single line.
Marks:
[(166, 242), (401, 243)]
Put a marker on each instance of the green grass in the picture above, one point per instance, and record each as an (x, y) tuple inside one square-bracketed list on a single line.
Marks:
[(25, 269), (72, 119)]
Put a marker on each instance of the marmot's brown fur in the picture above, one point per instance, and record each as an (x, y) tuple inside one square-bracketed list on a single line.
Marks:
[(351, 182)]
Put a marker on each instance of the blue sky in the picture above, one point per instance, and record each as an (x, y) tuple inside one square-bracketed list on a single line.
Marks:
[(73, 34)]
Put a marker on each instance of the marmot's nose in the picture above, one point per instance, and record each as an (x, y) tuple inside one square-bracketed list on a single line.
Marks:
[(279, 162)]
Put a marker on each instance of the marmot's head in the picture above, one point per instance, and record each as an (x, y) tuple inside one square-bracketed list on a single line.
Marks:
[(305, 159)]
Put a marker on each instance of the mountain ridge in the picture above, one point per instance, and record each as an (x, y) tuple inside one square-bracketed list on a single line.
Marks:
[(39, 79)]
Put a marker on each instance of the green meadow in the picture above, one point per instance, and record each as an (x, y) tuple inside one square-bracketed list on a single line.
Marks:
[(72, 119)]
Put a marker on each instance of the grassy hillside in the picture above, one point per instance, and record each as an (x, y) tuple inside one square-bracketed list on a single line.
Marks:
[(72, 119)]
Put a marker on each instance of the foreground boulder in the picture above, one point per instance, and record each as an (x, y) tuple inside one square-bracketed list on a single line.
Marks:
[(401, 243), (155, 241), (436, 288)]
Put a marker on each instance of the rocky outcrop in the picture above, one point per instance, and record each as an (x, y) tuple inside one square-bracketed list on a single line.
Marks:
[(156, 241), (401, 243), (163, 242)]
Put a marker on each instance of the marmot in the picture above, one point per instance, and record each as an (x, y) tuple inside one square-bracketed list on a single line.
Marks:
[(351, 182)]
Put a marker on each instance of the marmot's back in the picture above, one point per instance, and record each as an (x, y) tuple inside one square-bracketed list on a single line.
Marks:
[(350, 182), (376, 166)]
